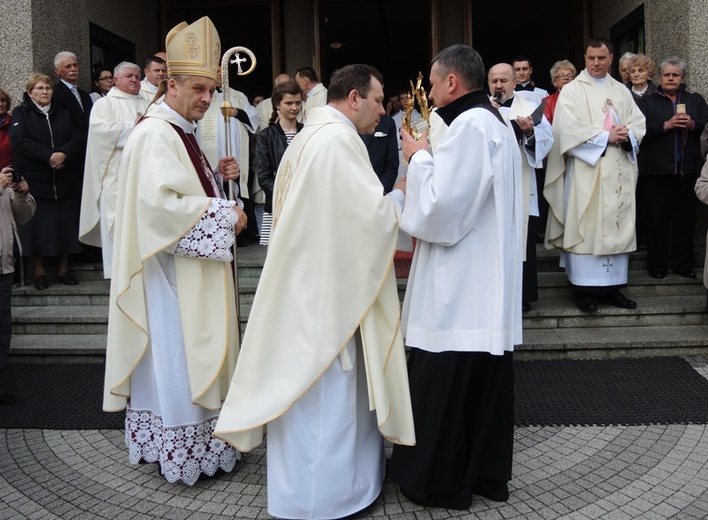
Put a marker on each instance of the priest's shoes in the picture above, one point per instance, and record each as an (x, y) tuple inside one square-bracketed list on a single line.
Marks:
[(491, 489), (620, 300), (686, 273), (586, 304)]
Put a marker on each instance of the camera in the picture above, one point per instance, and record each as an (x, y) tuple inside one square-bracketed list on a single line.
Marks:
[(16, 176)]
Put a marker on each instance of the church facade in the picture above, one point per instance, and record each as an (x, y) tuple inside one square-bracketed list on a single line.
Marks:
[(398, 37)]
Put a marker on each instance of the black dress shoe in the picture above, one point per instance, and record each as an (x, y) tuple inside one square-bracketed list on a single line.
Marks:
[(525, 306), (41, 283), (493, 490), (657, 273), (586, 304), (67, 278), (620, 300), (686, 273)]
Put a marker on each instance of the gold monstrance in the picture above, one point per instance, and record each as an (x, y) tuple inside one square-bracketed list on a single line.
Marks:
[(418, 127)]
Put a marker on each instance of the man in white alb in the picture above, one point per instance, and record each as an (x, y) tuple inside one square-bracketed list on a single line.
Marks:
[(155, 71), (113, 117), (172, 329), (314, 92), (591, 178)]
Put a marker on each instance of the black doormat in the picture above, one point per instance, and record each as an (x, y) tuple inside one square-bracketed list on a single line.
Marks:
[(609, 392), (547, 393), (57, 397)]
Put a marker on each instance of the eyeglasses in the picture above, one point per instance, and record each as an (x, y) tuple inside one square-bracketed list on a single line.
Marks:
[(565, 76), (105, 78)]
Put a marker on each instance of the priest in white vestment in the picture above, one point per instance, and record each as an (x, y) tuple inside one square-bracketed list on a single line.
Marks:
[(591, 178), (535, 142), (462, 308), (525, 86), (322, 361), (112, 119), (172, 329), (155, 72)]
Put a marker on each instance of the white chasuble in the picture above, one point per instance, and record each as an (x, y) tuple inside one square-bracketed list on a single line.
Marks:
[(309, 305), (112, 119), (595, 213)]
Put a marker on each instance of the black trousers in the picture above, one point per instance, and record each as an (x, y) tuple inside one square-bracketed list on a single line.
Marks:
[(670, 212), (463, 409), (529, 286)]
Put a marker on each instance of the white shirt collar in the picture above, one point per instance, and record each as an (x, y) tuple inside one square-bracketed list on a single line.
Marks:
[(341, 114), (71, 87), (185, 125), (597, 81)]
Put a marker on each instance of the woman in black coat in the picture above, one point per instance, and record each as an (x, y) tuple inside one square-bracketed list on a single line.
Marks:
[(47, 151), (271, 143), (669, 163)]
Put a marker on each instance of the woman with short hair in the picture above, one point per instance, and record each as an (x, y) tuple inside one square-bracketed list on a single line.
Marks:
[(47, 152)]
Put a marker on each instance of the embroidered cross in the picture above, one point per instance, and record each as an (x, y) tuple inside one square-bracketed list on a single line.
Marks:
[(608, 265), (238, 60)]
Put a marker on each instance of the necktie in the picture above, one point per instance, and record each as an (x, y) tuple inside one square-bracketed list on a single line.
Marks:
[(75, 90)]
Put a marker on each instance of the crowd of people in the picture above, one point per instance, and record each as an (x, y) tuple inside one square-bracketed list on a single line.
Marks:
[(141, 169)]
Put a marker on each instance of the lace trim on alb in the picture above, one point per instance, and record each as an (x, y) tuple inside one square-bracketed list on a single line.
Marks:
[(213, 236), (184, 452)]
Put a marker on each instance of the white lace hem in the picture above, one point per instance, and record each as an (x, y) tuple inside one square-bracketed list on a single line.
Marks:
[(213, 236), (184, 452)]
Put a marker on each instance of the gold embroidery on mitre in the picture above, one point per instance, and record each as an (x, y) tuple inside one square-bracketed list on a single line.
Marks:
[(190, 45)]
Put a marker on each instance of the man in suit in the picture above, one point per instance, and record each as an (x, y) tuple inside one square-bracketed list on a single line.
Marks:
[(382, 146), (69, 95)]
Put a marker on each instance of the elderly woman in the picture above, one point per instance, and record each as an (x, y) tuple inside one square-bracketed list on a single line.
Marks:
[(641, 70), (562, 73), (47, 151), (669, 162), (624, 67), (5, 120), (102, 83)]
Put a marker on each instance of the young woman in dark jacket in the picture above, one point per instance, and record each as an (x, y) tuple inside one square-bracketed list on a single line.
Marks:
[(47, 150), (669, 163), (271, 143)]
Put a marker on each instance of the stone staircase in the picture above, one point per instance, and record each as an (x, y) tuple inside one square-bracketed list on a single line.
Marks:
[(69, 323)]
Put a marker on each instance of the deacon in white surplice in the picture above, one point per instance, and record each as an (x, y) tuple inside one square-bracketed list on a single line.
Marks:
[(591, 178), (172, 328), (535, 142), (322, 361), (113, 117), (462, 309)]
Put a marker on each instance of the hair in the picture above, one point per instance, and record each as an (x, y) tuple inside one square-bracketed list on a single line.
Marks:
[(35, 78), (307, 72), (62, 56), (464, 61), (521, 57), (97, 72), (676, 62), (286, 87), (642, 60), (124, 65), (562, 64), (598, 41), (4, 96), (154, 59), (351, 77), (627, 56)]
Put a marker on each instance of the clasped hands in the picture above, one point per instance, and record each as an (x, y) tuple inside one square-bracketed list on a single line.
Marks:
[(679, 121), (619, 134)]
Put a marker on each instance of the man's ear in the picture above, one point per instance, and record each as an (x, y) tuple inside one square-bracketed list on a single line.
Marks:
[(353, 99)]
